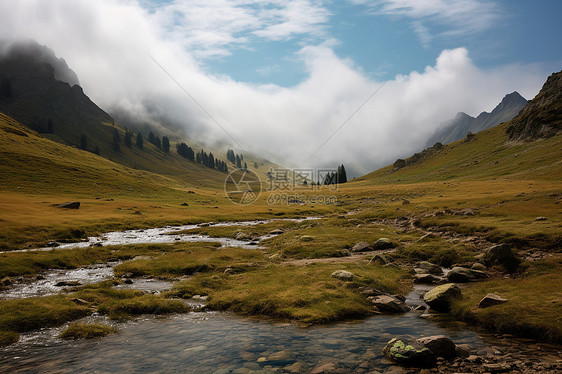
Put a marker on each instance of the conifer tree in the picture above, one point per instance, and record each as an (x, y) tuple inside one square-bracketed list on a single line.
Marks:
[(116, 141), (166, 144), (140, 141)]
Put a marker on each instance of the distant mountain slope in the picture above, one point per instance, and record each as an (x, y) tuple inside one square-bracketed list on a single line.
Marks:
[(492, 153), (542, 118), (458, 127), (32, 92)]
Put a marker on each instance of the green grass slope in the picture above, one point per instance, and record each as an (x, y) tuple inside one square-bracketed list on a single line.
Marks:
[(488, 155)]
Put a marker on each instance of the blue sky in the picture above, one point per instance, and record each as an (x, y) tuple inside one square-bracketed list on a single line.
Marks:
[(281, 77), (379, 36)]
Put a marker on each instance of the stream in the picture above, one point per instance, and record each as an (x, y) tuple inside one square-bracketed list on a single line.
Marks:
[(218, 343)]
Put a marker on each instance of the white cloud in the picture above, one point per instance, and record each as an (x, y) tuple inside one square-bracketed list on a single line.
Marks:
[(106, 43), (460, 17), (212, 28)]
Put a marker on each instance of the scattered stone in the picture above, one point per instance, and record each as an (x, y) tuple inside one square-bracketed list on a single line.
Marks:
[(460, 275), (463, 350), (379, 258), (478, 266), (389, 304), (409, 353), (491, 300), (53, 244), (68, 205), (128, 281), (430, 268), (6, 281), (276, 232), (541, 219), (425, 279), (440, 345), (137, 213), (440, 297), (68, 284), (80, 301), (343, 275), (501, 254), (419, 307), (405, 202), (362, 247), (383, 243), (497, 368), (324, 367), (184, 204), (96, 244)]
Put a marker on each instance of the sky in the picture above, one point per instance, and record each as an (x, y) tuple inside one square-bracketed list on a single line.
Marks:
[(305, 83)]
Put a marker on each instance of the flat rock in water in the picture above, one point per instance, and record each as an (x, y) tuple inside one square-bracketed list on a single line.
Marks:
[(409, 353), (491, 300), (362, 247), (276, 232), (389, 304), (68, 284), (343, 275), (440, 297), (440, 345), (425, 279)]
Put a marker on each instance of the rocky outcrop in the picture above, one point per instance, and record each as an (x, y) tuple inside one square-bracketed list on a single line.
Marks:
[(542, 117), (440, 297), (417, 157), (463, 124)]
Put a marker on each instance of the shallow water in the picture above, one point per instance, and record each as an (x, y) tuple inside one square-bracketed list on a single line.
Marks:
[(213, 342), (47, 282), (165, 235)]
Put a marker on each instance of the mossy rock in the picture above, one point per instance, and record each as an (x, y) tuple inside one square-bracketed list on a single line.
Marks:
[(409, 353), (440, 297)]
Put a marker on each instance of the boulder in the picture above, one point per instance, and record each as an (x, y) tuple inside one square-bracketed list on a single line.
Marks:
[(441, 296), (383, 243), (379, 258), (440, 345), (425, 279), (389, 304), (361, 247), (68, 205), (409, 353), (343, 275), (491, 300), (463, 275), (501, 254), (430, 268), (478, 266)]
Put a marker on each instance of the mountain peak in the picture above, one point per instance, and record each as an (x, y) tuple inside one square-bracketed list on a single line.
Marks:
[(542, 117)]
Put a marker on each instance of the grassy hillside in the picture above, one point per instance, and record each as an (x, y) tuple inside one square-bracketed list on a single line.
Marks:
[(488, 156)]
